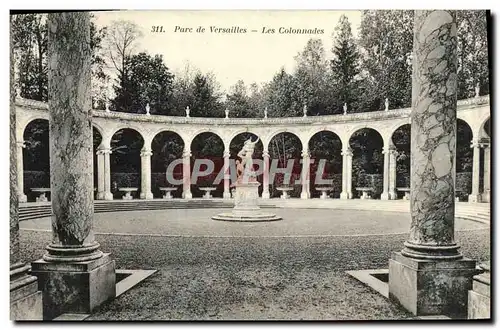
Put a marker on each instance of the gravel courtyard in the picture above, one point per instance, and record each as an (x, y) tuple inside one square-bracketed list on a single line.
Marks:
[(301, 276)]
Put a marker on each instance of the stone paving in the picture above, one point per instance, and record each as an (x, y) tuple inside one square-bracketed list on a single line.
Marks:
[(296, 222)]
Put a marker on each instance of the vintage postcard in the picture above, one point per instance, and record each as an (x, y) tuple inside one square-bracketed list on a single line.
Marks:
[(250, 165)]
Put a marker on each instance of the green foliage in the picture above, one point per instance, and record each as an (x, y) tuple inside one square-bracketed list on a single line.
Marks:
[(147, 80), (205, 102)]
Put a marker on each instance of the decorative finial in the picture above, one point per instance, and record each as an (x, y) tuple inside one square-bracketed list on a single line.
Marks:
[(107, 106), (305, 110), (18, 91), (96, 104), (227, 113), (386, 104), (147, 110), (187, 111), (265, 112), (477, 90), (345, 108)]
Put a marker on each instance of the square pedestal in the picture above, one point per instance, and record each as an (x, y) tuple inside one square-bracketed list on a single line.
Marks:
[(479, 303), (26, 303), (77, 287), (427, 287)]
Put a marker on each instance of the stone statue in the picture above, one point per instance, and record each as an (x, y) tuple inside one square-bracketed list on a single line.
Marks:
[(345, 108), (147, 109), (265, 112), (227, 113), (477, 90), (386, 104), (305, 110), (246, 156), (187, 111)]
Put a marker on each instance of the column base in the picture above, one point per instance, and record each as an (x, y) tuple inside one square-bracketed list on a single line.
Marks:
[(428, 287), (108, 196), (304, 195), (385, 196), (475, 198), (187, 195), (148, 195), (226, 195), (345, 195), (393, 195), (479, 302), (77, 287), (25, 300), (22, 198), (100, 195), (485, 197), (266, 195)]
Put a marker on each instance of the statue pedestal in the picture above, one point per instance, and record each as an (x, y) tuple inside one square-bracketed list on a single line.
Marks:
[(246, 207)]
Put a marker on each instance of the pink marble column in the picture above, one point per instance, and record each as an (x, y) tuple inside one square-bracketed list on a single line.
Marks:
[(430, 276), (25, 299), (146, 174), (186, 174), (74, 275), (227, 177), (346, 174), (265, 175)]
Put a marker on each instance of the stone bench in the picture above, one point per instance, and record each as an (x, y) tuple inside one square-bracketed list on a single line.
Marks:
[(324, 191), (207, 191), (406, 190), (366, 192), (42, 191), (284, 192), (128, 191), (167, 192)]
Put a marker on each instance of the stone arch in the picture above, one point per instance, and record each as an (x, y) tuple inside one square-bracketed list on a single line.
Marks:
[(234, 134), (160, 130), (483, 132), (283, 130), (357, 127), (116, 129), (194, 134), (324, 129), (367, 159), (326, 162)]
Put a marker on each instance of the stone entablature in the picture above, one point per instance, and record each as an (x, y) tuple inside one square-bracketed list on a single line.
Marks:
[(474, 112)]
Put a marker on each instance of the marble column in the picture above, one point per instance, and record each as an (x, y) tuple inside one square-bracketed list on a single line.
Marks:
[(346, 174), (25, 299), (108, 195), (146, 174), (265, 175), (385, 190), (186, 174), (392, 172), (304, 194), (74, 275), (227, 176), (430, 276), (486, 173), (475, 196), (20, 172), (100, 173)]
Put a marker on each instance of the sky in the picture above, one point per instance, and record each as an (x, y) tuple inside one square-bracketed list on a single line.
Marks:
[(251, 56)]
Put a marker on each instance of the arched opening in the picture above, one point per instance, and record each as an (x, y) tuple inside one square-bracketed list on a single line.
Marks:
[(206, 148), (236, 145), (325, 148), (401, 138), (125, 161), (96, 141), (36, 157), (285, 154), (367, 162), (464, 159), (167, 148)]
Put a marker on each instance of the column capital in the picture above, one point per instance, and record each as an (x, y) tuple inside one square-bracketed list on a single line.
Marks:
[(475, 144), (346, 151), (21, 144), (265, 153), (305, 153), (226, 153), (388, 148), (145, 152), (186, 153), (103, 150)]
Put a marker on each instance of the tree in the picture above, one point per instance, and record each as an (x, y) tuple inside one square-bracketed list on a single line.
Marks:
[(237, 101), (30, 44), (148, 81), (386, 38), (120, 43), (100, 79), (345, 66), (310, 80), (472, 41), (205, 101), (279, 95)]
